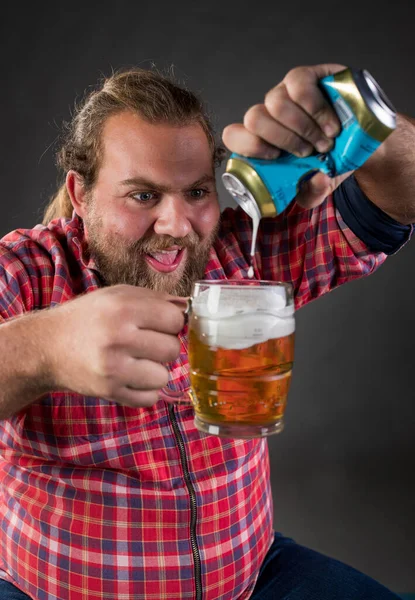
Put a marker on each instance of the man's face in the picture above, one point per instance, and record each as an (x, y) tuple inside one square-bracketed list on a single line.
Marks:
[(153, 213)]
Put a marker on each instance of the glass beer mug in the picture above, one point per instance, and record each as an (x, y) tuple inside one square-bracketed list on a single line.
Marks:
[(241, 352)]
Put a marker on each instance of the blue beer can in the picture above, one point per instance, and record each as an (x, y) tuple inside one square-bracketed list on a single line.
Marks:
[(264, 188)]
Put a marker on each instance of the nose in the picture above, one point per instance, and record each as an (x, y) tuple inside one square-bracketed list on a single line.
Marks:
[(172, 218)]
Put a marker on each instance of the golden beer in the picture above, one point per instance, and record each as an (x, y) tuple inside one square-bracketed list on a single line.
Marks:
[(241, 356)]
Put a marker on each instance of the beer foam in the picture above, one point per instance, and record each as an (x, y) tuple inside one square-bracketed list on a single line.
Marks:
[(231, 319), (243, 330), (217, 301)]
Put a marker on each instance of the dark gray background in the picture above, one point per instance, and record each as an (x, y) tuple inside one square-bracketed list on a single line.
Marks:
[(343, 469)]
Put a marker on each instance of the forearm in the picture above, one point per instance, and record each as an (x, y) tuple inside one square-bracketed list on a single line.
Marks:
[(25, 344), (388, 177)]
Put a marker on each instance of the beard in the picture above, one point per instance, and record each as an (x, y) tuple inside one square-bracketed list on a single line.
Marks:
[(120, 262)]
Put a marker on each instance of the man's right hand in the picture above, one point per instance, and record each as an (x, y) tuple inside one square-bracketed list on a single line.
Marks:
[(112, 342)]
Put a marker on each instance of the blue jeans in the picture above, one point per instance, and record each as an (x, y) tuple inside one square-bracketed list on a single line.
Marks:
[(10, 592), (292, 572)]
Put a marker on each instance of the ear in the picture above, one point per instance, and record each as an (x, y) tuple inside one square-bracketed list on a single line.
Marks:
[(76, 190)]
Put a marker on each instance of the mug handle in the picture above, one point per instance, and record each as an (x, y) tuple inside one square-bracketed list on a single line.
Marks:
[(173, 397), (166, 393)]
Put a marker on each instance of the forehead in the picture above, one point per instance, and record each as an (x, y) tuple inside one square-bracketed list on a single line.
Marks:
[(131, 145)]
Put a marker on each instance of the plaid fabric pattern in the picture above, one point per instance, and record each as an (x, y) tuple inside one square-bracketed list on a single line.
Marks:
[(97, 499)]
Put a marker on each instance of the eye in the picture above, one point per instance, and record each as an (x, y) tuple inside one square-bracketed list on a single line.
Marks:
[(198, 193), (144, 196)]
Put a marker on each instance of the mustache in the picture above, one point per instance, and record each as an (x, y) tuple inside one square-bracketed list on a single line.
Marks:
[(154, 244)]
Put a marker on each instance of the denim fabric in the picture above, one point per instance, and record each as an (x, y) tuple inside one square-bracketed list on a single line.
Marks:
[(293, 572), (10, 592)]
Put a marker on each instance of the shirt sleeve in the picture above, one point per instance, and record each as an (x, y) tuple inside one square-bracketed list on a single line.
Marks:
[(379, 231), (315, 250), (16, 296), (345, 238)]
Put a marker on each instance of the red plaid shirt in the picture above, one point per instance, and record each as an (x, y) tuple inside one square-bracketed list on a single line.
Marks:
[(102, 501)]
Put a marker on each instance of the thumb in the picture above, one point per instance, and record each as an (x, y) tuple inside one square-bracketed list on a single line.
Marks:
[(314, 191)]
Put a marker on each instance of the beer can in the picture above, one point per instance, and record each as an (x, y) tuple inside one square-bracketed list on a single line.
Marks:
[(264, 188)]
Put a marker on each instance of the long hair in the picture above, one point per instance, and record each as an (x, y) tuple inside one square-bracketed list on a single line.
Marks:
[(153, 96)]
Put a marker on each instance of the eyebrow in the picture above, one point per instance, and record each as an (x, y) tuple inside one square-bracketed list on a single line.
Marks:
[(151, 185)]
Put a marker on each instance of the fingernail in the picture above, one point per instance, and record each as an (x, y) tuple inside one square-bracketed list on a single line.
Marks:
[(330, 129), (272, 155), (305, 150), (323, 145)]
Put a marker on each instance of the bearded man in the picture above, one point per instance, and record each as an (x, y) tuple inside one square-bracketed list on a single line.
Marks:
[(106, 490)]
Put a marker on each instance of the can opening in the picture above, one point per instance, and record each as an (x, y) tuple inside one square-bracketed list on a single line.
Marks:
[(241, 195), (378, 93)]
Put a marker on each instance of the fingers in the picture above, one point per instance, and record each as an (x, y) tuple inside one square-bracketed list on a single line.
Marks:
[(152, 345), (304, 132), (238, 139), (259, 121), (295, 117), (302, 88), (136, 398), (134, 378), (160, 315), (143, 374), (145, 308)]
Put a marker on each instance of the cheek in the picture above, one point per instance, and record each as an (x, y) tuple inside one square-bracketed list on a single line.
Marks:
[(126, 223), (206, 218)]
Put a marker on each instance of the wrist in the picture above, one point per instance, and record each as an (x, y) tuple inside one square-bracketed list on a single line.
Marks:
[(47, 369), (34, 334), (25, 374)]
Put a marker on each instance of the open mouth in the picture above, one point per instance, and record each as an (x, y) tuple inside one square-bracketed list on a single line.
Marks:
[(165, 261)]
